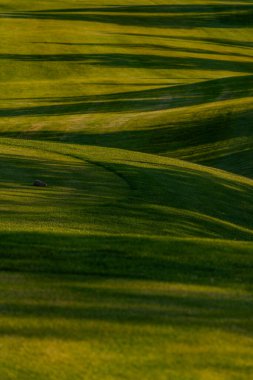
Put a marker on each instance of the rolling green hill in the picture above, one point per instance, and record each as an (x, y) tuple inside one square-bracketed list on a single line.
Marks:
[(135, 262)]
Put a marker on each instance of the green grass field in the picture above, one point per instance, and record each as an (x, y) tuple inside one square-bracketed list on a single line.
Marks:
[(136, 262)]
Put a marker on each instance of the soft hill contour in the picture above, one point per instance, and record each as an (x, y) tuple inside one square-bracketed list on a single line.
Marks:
[(135, 262)]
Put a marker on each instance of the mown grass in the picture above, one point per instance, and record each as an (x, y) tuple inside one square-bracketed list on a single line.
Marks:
[(123, 220), (116, 75), (135, 262)]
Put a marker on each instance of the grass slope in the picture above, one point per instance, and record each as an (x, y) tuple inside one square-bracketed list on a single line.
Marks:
[(152, 76), (136, 260)]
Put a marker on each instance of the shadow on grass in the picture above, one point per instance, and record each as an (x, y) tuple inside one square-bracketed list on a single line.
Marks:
[(123, 60), (152, 46), (68, 265), (217, 41), (138, 101), (180, 310), (186, 261), (120, 197), (75, 260), (164, 138), (207, 40), (138, 308), (159, 16)]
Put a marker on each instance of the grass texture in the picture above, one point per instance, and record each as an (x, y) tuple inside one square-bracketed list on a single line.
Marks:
[(135, 262)]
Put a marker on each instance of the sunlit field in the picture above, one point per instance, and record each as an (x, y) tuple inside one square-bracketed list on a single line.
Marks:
[(135, 262)]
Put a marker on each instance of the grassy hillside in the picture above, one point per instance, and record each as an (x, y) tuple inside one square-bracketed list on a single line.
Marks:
[(169, 78), (136, 261)]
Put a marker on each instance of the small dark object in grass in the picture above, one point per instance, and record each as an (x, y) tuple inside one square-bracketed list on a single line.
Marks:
[(39, 183)]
